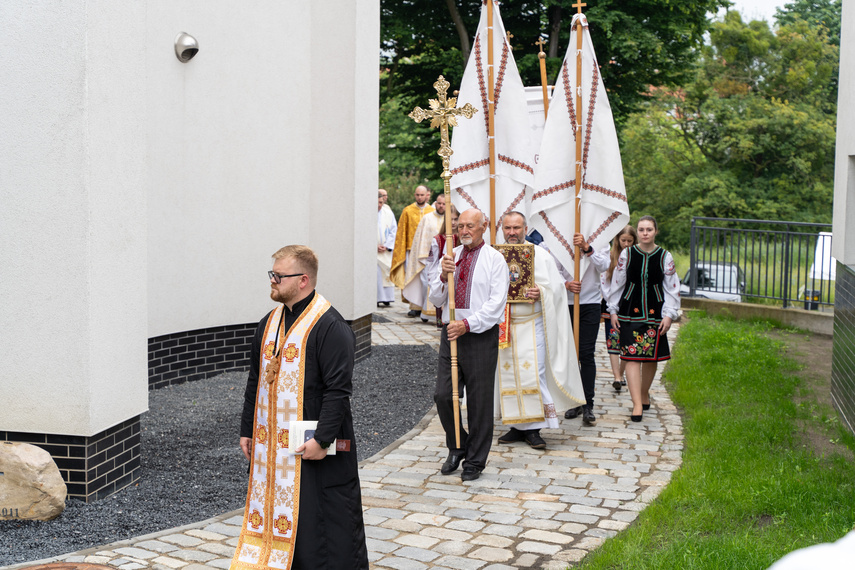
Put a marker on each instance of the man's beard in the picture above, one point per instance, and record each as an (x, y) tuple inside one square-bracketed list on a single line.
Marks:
[(515, 240), (466, 240)]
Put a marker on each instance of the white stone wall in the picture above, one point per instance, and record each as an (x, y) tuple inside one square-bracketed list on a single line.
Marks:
[(141, 196), (844, 167)]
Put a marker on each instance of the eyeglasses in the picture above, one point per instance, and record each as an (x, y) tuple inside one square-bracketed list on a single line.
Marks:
[(278, 277)]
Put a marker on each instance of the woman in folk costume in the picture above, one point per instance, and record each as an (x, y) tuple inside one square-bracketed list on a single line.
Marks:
[(644, 298), (626, 238)]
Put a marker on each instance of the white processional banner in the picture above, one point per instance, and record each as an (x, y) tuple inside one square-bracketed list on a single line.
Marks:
[(604, 208), (514, 160)]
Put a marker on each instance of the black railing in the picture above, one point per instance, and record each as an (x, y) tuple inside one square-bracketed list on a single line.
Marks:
[(736, 259)]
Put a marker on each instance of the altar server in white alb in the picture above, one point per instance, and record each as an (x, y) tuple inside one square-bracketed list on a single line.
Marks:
[(387, 227), (480, 293), (537, 373), (416, 290)]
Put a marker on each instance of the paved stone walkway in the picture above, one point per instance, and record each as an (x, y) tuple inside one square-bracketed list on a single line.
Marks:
[(530, 508)]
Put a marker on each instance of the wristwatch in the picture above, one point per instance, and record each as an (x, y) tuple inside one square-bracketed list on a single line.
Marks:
[(587, 251), (324, 444)]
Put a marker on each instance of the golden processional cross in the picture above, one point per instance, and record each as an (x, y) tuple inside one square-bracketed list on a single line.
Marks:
[(443, 113)]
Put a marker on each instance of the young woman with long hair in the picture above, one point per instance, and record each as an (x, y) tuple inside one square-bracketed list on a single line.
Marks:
[(627, 237), (644, 298)]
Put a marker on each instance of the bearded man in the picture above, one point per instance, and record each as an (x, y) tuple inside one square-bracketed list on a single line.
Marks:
[(302, 511), (416, 290), (538, 373)]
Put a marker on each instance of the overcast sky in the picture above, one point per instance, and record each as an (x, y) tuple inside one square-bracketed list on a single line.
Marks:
[(758, 9)]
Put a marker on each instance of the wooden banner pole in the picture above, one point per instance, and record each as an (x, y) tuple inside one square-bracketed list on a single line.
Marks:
[(578, 203)]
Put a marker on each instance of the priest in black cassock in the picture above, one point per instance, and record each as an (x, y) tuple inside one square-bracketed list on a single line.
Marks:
[(302, 511)]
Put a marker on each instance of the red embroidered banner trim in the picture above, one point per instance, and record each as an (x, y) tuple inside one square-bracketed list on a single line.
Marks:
[(554, 189), (516, 163), (470, 166)]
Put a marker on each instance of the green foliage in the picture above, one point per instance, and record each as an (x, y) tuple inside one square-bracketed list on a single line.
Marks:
[(639, 44), (751, 137), (749, 489), (817, 13)]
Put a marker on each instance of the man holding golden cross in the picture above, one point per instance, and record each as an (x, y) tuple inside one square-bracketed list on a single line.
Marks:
[(472, 289)]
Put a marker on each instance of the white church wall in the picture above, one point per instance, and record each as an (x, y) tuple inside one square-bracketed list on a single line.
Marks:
[(142, 196), (253, 145), (73, 287), (844, 169)]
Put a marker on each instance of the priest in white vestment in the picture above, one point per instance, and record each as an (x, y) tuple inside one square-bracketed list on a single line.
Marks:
[(387, 227), (538, 373), (418, 281)]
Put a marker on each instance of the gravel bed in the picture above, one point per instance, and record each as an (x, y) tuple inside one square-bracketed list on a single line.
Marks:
[(192, 468)]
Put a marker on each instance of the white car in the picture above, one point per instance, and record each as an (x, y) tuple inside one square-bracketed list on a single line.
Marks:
[(716, 281)]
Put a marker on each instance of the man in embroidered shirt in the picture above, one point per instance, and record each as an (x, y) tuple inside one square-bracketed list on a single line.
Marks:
[(301, 510), (539, 371), (405, 267), (480, 293)]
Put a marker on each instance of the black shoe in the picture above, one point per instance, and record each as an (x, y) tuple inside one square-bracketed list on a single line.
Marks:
[(470, 474), (636, 418), (588, 417), (623, 382), (616, 385), (645, 406), (424, 321), (452, 463), (387, 303), (573, 413), (512, 436), (533, 439), (413, 314)]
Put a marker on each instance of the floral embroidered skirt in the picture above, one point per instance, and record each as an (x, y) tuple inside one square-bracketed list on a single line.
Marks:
[(612, 336), (642, 341)]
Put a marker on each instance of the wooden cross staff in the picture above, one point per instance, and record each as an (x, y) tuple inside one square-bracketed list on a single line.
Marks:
[(443, 113)]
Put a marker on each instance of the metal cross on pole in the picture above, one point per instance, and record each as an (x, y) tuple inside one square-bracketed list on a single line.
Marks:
[(443, 113)]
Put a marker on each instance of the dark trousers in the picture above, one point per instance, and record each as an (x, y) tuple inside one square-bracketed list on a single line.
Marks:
[(477, 357), (589, 327)]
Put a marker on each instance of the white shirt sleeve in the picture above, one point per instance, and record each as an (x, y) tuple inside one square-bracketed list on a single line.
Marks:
[(438, 294), (671, 288), (618, 283), (601, 259)]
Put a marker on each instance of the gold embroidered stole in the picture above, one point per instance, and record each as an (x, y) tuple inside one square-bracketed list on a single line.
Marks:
[(518, 377), (269, 528)]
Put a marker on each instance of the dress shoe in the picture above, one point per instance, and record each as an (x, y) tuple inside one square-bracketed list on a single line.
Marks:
[(424, 321), (386, 303), (512, 436), (413, 314), (452, 463), (645, 406), (533, 439), (616, 385), (636, 418), (588, 417), (573, 413), (470, 474)]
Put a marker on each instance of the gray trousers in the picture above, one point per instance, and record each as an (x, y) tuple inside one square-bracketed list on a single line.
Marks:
[(477, 357)]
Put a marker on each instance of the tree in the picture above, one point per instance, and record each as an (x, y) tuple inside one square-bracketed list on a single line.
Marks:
[(751, 137)]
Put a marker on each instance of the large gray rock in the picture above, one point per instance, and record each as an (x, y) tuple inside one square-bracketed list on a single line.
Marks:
[(30, 484)]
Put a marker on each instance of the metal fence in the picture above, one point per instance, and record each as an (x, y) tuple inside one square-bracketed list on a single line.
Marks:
[(750, 260)]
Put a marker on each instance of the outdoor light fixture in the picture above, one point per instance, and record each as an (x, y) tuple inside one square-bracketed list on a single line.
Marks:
[(186, 47)]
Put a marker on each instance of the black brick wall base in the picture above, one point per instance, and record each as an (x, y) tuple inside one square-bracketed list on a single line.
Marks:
[(92, 467), (98, 466), (843, 358)]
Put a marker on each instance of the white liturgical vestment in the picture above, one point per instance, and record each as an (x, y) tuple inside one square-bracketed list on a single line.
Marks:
[(481, 288), (538, 373)]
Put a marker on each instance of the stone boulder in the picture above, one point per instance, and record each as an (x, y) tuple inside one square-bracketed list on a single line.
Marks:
[(30, 484)]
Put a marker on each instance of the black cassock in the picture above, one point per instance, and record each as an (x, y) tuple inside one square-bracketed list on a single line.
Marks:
[(330, 530)]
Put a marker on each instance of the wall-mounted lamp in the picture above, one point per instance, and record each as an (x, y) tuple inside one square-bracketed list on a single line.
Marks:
[(186, 47)]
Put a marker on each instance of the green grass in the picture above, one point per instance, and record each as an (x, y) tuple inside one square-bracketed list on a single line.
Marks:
[(750, 488)]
